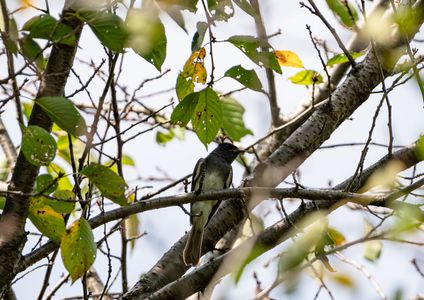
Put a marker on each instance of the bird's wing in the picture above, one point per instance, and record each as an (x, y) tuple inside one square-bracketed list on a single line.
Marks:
[(198, 176), (229, 179)]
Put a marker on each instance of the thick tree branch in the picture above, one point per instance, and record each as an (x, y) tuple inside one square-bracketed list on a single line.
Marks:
[(12, 222), (354, 91)]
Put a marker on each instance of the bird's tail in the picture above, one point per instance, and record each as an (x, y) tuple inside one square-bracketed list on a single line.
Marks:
[(193, 247)]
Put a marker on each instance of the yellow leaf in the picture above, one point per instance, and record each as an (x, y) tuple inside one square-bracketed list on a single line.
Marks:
[(194, 67), (26, 3), (288, 58)]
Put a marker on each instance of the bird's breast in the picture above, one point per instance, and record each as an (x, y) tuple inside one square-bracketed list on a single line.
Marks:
[(213, 180)]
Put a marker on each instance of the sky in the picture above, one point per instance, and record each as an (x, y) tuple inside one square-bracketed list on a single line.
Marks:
[(178, 158)]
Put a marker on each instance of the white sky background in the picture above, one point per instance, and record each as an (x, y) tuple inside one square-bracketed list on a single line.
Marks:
[(178, 158)]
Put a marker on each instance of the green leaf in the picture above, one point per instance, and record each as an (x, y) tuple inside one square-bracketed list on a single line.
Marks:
[(164, 137), (46, 219), (250, 46), (198, 37), (221, 10), (110, 184), (299, 250), (132, 231), (248, 78), (184, 110), (67, 205), (47, 27), (189, 5), (232, 119), (78, 249), (63, 112), (344, 11), (32, 51), (38, 146), (184, 86), (63, 183), (109, 28), (45, 183), (372, 249), (2, 202), (306, 77), (419, 149), (147, 36), (245, 5), (342, 58), (207, 116)]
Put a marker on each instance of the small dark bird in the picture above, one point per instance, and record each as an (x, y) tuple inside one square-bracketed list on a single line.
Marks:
[(211, 173)]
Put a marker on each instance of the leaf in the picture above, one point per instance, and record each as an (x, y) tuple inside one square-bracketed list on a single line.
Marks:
[(342, 58), (207, 116), (245, 5), (419, 149), (189, 5), (372, 249), (46, 27), (174, 11), (64, 207), (221, 10), (46, 219), (45, 183), (78, 249), (250, 46), (344, 11), (147, 36), (164, 137), (194, 67), (248, 78), (32, 51), (299, 250), (63, 112), (110, 184), (183, 112), (109, 28), (132, 229), (306, 77), (232, 119), (38, 146), (184, 86), (198, 37), (288, 58)]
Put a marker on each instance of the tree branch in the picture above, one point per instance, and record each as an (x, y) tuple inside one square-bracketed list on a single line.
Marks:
[(12, 221)]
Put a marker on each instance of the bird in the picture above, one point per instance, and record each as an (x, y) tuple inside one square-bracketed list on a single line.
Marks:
[(211, 173)]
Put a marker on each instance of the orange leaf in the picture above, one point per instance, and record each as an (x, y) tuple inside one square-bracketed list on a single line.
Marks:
[(288, 58)]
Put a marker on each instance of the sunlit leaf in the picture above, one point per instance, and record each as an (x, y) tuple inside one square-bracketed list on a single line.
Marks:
[(193, 71), (48, 221), (342, 58), (344, 11), (110, 184), (147, 36), (63, 112), (78, 249), (288, 58), (248, 78), (344, 280), (232, 119), (38, 146), (47, 27), (306, 77)]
